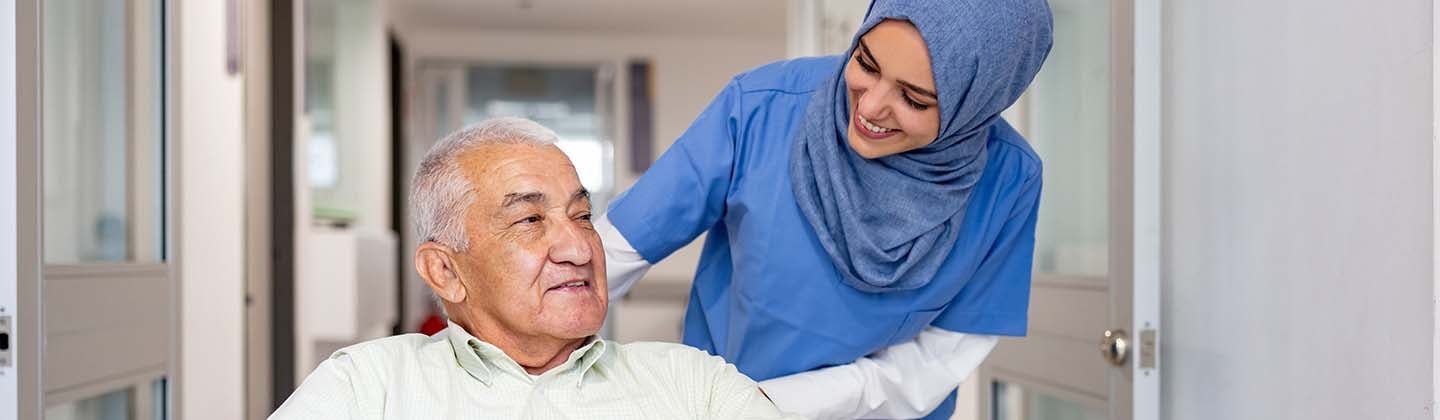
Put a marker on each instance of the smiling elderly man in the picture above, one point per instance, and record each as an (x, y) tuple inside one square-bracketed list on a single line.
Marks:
[(510, 252)]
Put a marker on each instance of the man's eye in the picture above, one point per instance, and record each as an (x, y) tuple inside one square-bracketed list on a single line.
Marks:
[(585, 217), (534, 218)]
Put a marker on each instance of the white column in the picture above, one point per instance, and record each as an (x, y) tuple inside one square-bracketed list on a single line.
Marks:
[(211, 218)]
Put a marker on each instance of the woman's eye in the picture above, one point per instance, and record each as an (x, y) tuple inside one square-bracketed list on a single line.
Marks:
[(915, 104), (865, 66)]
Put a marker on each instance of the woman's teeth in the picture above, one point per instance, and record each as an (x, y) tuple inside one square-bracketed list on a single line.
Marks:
[(872, 127)]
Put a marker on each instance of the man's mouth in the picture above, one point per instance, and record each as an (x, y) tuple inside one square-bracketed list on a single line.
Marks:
[(570, 286)]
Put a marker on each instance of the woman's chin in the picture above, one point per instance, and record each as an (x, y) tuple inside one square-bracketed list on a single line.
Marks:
[(864, 147)]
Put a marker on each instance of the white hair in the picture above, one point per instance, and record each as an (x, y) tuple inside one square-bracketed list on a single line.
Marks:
[(441, 193)]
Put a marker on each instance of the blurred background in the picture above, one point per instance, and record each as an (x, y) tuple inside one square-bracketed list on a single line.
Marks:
[(207, 197)]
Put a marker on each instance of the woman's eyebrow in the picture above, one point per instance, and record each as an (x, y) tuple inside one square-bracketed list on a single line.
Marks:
[(918, 89), (865, 49)]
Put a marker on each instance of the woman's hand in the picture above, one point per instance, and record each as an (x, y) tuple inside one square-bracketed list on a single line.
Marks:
[(904, 381)]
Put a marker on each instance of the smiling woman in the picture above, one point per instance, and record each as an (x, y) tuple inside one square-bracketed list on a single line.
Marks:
[(870, 216), (892, 92)]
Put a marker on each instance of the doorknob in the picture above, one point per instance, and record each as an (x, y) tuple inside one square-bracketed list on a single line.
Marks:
[(1115, 346)]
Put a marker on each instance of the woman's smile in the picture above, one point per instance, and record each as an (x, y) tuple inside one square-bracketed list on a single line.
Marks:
[(894, 107), (871, 131)]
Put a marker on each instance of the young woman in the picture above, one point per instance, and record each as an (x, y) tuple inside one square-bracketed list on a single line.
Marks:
[(870, 216)]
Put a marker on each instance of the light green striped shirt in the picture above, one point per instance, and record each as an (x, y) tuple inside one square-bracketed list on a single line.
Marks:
[(453, 375)]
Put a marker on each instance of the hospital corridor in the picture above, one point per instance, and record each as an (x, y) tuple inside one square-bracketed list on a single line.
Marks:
[(897, 209)]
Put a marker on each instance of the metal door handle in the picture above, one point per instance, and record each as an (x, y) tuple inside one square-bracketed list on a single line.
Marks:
[(1115, 346)]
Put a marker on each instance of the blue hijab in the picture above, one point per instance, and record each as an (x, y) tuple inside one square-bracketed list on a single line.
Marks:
[(889, 223)]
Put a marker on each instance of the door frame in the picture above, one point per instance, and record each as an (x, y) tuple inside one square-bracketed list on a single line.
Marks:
[(1147, 195), (1434, 406), (21, 381), (1136, 256)]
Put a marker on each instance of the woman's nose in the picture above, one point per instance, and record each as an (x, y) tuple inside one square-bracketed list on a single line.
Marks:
[(874, 102)]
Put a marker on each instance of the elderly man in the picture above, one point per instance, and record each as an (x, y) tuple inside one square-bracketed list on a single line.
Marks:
[(511, 254)]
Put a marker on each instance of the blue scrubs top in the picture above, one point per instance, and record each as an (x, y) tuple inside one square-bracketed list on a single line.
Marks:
[(766, 296)]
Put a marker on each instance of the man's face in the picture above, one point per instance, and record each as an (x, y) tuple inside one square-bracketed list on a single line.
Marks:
[(535, 266)]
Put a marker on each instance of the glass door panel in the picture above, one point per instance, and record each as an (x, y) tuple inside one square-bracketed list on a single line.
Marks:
[(1066, 117), (101, 133), (1015, 402)]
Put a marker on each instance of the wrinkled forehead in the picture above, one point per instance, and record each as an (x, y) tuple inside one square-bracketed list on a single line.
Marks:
[(499, 170)]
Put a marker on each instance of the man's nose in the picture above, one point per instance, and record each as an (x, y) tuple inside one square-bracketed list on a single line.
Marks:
[(570, 243)]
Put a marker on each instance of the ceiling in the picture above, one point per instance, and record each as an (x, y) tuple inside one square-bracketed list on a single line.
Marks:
[(759, 18)]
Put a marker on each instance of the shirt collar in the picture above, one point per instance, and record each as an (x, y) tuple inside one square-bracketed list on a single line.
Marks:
[(482, 360)]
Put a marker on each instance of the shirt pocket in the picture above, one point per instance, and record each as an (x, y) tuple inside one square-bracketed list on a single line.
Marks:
[(913, 323)]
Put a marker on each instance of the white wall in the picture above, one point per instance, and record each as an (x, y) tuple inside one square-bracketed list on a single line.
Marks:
[(211, 176), (1298, 197)]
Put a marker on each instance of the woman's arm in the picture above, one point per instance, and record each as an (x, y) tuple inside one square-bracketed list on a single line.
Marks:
[(623, 264), (681, 196), (903, 381)]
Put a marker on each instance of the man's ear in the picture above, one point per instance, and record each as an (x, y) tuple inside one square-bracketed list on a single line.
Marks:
[(436, 264)]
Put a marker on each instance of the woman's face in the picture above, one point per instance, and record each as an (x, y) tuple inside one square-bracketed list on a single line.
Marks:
[(892, 92)]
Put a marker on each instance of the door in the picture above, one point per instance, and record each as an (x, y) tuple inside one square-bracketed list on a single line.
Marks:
[(1091, 352), (94, 258)]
